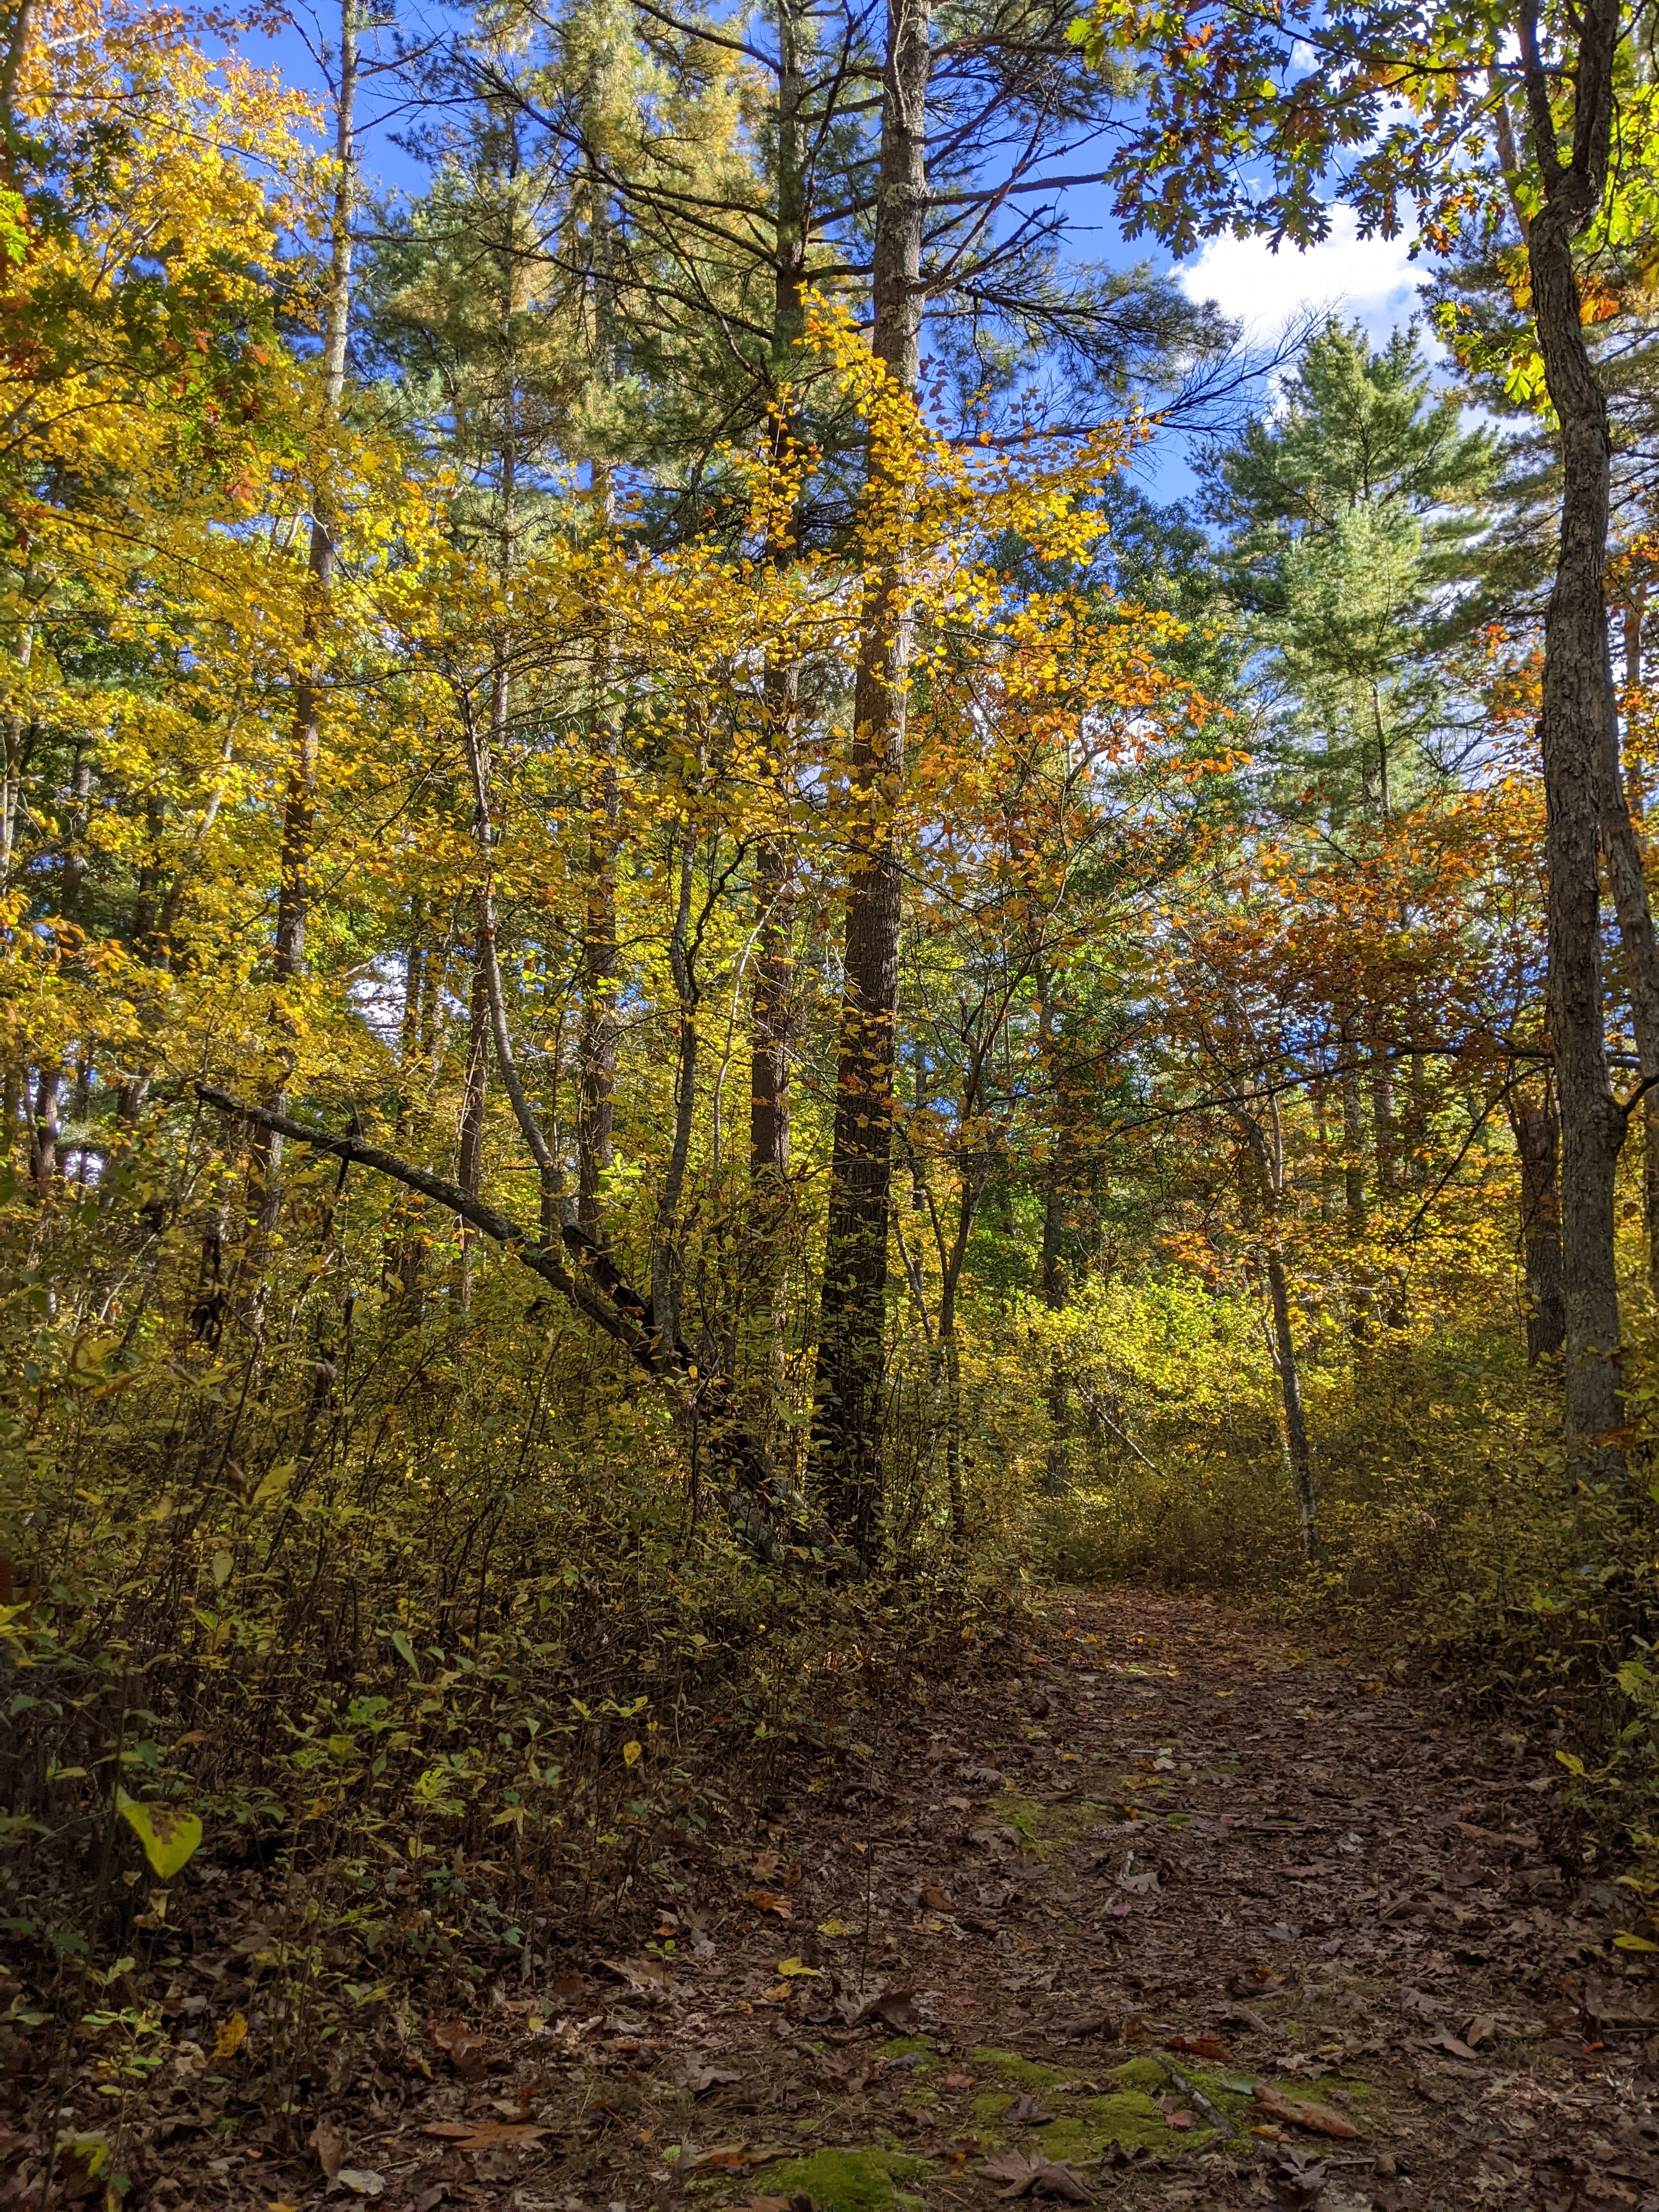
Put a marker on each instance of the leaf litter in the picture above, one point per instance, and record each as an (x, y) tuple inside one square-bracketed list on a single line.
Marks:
[(1238, 1924)]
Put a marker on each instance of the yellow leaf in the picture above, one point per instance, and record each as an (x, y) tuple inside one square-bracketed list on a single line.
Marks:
[(231, 2037), (793, 1966), (834, 1928), (631, 1753), (168, 1833), (276, 1482), (1572, 1761), (1634, 1943)]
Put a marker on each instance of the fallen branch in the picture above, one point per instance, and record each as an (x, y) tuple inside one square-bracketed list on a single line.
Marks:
[(768, 1514)]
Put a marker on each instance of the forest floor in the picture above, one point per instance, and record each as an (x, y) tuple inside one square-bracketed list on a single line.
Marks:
[(1183, 1915)]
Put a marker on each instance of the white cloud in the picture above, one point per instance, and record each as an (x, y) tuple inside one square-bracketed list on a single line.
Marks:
[(1372, 280)]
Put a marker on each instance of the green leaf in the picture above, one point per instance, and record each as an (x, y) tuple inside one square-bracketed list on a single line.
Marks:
[(168, 1833), (405, 1651), (1634, 1943)]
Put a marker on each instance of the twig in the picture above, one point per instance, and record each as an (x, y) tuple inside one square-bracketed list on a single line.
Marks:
[(1196, 2097)]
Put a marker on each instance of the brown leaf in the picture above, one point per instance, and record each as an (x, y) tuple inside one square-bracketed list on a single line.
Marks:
[(1035, 2175), (1028, 2111), (1202, 2047), (330, 2147), (723, 2158), (643, 1973), (486, 2135), (696, 2075), (1295, 2111), (567, 1988), (898, 2009), (764, 1901), (933, 1897), (1444, 2039), (462, 2045)]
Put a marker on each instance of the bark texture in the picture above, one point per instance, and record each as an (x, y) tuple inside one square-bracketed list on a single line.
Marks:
[(1577, 714), (850, 1379)]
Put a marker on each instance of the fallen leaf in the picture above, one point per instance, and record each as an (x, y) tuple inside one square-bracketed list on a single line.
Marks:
[(834, 1928), (1179, 2120), (723, 2158), (1035, 2175), (898, 2009), (959, 2081), (1294, 2112), (1298, 2179), (764, 1901), (643, 1973), (462, 2045), (485, 2134), (796, 1967), (1202, 2047), (231, 2037), (1028, 2111), (696, 2075), (330, 2147), (360, 2181), (567, 1988), (934, 1897), (1444, 2039)]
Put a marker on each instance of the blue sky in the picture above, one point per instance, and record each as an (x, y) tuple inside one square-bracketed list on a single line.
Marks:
[(1372, 280)]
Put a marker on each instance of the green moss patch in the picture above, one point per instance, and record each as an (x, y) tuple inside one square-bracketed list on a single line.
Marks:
[(850, 2180), (1045, 1829), (900, 2046), (1130, 2116), (1026, 2072)]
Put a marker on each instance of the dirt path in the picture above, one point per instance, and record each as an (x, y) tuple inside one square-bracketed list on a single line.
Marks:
[(1173, 1879)]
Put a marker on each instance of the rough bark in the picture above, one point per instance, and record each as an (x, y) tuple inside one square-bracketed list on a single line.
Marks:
[(469, 1143), (1537, 1141), (773, 993), (1057, 1464), (1577, 711), (1296, 1448), (850, 1379)]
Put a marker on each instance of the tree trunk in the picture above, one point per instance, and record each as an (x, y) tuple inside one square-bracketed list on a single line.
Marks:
[(850, 1380), (1057, 1465), (1289, 1386), (1577, 710), (469, 1148), (1537, 1141), (775, 901), (299, 807), (1354, 1183)]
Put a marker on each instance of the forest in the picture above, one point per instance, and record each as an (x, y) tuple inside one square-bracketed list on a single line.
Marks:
[(799, 988)]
